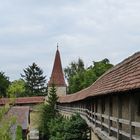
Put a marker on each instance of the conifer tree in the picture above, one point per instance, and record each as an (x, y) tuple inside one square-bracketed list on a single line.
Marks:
[(35, 81), (48, 112), (4, 84), (52, 96)]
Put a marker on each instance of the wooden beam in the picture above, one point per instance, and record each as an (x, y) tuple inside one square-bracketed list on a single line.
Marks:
[(109, 114), (131, 115), (92, 110), (95, 107), (119, 115), (101, 107)]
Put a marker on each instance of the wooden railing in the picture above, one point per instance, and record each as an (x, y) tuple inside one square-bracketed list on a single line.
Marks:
[(97, 119)]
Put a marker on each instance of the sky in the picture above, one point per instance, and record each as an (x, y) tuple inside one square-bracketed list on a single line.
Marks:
[(89, 29)]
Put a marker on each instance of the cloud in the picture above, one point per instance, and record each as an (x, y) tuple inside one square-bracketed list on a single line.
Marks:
[(92, 30), (28, 29)]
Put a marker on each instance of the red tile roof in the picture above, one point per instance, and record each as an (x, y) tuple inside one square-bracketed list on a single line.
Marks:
[(22, 115), (23, 100), (123, 77), (57, 76)]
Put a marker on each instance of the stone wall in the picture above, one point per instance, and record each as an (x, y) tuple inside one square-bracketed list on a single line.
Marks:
[(60, 91)]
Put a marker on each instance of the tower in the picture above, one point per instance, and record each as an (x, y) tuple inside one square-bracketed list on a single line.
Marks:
[(57, 77)]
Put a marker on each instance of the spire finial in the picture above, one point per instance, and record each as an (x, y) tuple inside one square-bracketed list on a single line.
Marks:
[(57, 46)]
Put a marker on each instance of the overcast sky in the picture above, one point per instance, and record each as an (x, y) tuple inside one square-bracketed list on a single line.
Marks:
[(89, 29)]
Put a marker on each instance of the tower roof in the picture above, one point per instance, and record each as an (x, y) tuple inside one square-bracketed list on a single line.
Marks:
[(57, 76)]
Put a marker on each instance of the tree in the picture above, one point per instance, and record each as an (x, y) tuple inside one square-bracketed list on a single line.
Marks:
[(101, 67), (57, 128), (35, 81), (48, 112), (52, 97), (6, 132), (17, 88), (74, 75), (19, 133), (4, 84), (79, 77), (54, 127), (74, 128), (74, 68)]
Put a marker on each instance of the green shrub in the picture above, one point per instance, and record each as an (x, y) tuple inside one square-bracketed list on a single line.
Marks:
[(19, 133)]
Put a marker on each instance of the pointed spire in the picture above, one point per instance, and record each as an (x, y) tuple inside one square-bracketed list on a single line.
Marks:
[(57, 46), (57, 76)]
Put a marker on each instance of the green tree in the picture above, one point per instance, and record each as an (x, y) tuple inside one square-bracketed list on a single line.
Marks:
[(17, 88), (74, 68), (74, 75), (6, 124), (35, 81), (56, 128), (74, 128), (101, 67), (79, 77), (48, 112), (19, 133), (4, 84), (52, 97)]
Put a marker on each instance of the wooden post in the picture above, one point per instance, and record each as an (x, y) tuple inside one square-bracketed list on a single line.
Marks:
[(95, 106), (91, 110), (119, 115), (109, 114), (101, 107), (131, 115)]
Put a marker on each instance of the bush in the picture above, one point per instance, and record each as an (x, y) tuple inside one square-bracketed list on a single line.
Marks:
[(74, 128), (19, 133)]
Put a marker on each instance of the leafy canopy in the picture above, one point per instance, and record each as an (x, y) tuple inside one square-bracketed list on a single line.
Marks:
[(79, 77), (74, 128), (16, 88)]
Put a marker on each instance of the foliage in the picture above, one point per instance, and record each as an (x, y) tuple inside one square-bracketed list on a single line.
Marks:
[(4, 84), (74, 68), (79, 77), (35, 81), (56, 128), (45, 116), (6, 124), (52, 96), (19, 133), (48, 112), (16, 88), (74, 128)]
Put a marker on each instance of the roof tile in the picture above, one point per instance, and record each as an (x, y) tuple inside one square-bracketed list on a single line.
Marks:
[(22, 115), (23, 100), (57, 76), (123, 77)]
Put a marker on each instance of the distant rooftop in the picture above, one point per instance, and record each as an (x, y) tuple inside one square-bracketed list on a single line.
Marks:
[(23, 100), (22, 115)]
